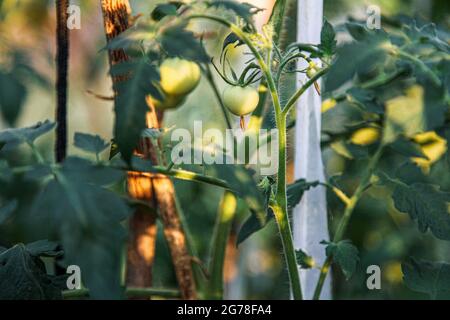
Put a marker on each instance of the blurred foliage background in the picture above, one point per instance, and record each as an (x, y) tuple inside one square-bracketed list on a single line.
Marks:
[(254, 269)]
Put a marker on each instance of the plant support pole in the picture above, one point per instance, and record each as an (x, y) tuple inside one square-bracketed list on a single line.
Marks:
[(62, 57), (310, 225)]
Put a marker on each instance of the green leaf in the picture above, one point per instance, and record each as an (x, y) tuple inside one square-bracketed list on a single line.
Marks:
[(355, 57), (350, 150), (426, 204), (243, 10), (131, 107), (87, 219), (7, 210), (90, 143), (343, 118), (12, 97), (253, 223), (277, 19), (131, 39), (295, 191), (432, 278), (179, 42), (242, 182), (304, 260), (407, 147), (44, 248), (344, 254), (23, 276), (366, 99), (357, 30), (165, 9), (327, 39), (14, 137)]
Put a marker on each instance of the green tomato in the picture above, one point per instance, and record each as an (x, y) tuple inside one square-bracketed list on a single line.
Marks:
[(240, 100), (169, 102), (178, 76)]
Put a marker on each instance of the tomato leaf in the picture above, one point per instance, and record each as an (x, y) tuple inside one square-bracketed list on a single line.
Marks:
[(432, 278), (327, 39), (296, 190), (6, 210), (424, 203), (23, 275), (87, 220), (131, 107), (90, 143), (12, 97), (179, 42), (355, 57), (344, 254), (11, 138), (243, 10), (165, 9)]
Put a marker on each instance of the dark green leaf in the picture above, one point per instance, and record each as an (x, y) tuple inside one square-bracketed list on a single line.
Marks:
[(6, 210), (12, 97), (23, 276), (343, 118), (424, 203), (165, 9), (90, 143), (87, 219), (304, 260), (357, 30), (407, 147), (44, 248), (252, 225), (355, 57), (243, 10), (365, 99), (295, 191), (179, 42), (131, 107), (432, 278), (344, 254), (327, 39)]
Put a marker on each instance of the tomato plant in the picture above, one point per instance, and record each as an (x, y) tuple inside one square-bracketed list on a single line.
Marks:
[(385, 119)]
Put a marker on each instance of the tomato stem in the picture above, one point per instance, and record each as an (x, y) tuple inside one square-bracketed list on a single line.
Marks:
[(349, 208)]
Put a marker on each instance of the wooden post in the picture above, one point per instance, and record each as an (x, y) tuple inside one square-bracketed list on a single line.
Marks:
[(157, 190)]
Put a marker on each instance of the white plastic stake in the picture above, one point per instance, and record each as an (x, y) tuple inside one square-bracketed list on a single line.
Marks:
[(310, 224)]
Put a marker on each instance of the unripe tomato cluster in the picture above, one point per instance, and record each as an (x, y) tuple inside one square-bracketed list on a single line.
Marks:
[(179, 78)]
